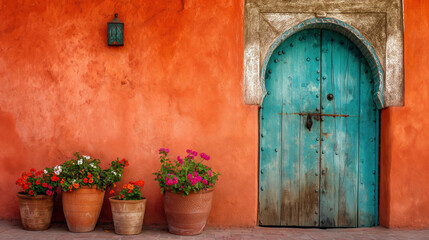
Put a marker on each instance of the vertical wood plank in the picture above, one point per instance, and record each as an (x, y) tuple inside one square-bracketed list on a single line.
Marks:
[(368, 155), (270, 140), (339, 157)]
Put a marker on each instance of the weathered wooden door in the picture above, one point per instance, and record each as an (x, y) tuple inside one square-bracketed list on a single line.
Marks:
[(318, 135)]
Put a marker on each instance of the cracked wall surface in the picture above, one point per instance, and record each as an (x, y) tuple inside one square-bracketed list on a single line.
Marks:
[(380, 22)]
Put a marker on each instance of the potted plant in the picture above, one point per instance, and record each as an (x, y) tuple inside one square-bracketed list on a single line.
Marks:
[(187, 185), (36, 200), (83, 183), (128, 208)]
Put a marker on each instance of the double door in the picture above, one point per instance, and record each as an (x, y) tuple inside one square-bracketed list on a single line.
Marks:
[(318, 135)]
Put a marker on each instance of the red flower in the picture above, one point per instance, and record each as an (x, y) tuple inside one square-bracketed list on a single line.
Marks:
[(25, 187), (37, 182), (31, 192), (89, 175), (85, 180), (112, 192), (54, 178), (122, 196), (90, 180), (29, 174), (45, 185), (32, 170), (139, 183), (130, 191)]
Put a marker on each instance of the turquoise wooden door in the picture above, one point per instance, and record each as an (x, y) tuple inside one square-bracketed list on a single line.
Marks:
[(318, 135)]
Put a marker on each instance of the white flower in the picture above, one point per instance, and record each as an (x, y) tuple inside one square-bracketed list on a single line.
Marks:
[(86, 157), (46, 172), (92, 165), (80, 161), (114, 173)]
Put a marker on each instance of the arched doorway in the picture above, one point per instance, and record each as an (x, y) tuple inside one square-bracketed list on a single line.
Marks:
[(318, 133)]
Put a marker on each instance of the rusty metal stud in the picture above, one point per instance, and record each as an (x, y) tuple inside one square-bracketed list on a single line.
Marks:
[(300, 38), (323, 171), (324, 77), (317, 151), (316, 190), (322, 139), (322, 222), (321, 119), (315, 223), (262, 135), (323, 152), (269, 71), (316, 174), (262, 149), (315, 212), (275, 60), (317, 79), (291, 45), (322, 107), (317, 96), (260, 222), (262, 189), (373, 172), (283, 51), (317, 58), (318, 71), (317, 109), (336, 153), (308, 59), (268, 92), (262, 118), (317, 139), (323, 190), (275, 150), (280, 53), (262, 171)]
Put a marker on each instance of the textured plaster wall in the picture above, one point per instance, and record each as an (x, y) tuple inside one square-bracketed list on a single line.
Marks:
[(404, 196), (176, 83)]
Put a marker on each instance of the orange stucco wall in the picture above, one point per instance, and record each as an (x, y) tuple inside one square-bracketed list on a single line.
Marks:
[(176, 83), (404, 161)]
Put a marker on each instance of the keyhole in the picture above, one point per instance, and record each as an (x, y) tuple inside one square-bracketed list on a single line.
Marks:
[(330, 97)]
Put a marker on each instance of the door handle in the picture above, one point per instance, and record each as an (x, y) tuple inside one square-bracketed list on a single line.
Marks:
[(309, 122)]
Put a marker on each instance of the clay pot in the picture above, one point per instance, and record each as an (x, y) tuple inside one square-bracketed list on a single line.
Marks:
[(187, 215), (36, 211), (82, 208), (128, 215)]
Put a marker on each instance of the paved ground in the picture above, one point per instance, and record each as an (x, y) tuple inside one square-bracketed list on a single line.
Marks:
[(13, 230)]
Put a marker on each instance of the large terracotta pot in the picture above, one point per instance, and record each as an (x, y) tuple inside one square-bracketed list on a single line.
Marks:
[(36, 211), (82, 208), (187, 215), (128, 215)]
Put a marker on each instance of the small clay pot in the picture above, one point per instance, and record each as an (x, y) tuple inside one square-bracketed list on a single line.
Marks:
[(187, 215), (128, 215), (36, 211), (82, 208)]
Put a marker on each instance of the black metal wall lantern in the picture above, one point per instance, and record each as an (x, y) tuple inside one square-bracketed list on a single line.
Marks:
[(115, 32)]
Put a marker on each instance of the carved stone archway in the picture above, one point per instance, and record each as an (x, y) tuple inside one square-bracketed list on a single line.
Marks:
[(376, 26)]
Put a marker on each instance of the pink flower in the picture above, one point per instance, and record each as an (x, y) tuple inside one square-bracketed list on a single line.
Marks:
[(188, 151), (181, 186), (195, 174), (204, 181), (193, 182), (49, 186), (175, 180), (169, 182), (210, 173), (198, 178), (194, 153), (189, 177), (180, 160)]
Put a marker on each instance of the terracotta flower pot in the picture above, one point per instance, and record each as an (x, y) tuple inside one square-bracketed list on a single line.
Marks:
[(128, 215), (187, 215), (82, 208), (36, 211)]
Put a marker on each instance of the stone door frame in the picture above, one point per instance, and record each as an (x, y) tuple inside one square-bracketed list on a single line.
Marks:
[(378, 24)]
